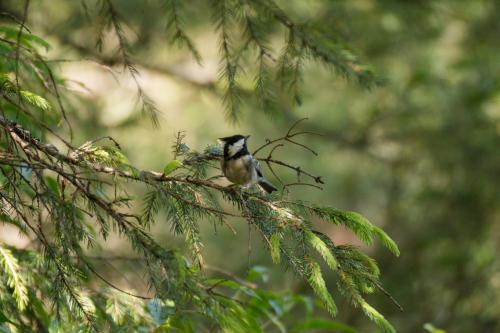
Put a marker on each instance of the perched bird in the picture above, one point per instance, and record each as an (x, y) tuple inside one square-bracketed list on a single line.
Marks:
[(239, 166)]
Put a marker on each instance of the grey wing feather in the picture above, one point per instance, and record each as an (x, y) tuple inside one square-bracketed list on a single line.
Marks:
[(257, 168), (259, 177), (251, 165)]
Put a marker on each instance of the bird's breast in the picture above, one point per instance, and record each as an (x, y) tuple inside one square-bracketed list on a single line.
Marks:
[(238, 170)]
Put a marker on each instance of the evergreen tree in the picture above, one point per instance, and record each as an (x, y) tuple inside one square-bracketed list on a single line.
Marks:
[(69, 197)]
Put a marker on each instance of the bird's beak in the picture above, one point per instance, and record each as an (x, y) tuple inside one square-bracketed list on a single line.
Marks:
[(220, 141), (246, 137)]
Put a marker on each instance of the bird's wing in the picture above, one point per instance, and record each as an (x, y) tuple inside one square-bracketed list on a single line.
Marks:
[(258, 168)]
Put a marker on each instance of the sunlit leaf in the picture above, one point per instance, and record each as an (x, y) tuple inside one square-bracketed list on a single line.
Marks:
[(172, 166)]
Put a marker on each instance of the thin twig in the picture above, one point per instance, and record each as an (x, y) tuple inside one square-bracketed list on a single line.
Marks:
[(232, 275), (379, 287), (111, 284), (19, 35)]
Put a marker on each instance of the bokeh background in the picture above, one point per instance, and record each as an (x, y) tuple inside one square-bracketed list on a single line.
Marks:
[(418, 155)]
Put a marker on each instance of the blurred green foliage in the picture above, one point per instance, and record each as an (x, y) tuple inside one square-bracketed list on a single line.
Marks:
[(417, 154)]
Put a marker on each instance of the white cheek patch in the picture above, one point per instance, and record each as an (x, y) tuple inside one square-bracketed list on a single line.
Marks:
[(236, 147)]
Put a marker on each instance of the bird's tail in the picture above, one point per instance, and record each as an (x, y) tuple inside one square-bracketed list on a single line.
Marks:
[(267, 186)]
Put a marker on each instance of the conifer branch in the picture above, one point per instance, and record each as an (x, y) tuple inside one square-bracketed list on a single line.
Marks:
[(68, 199), (111, 14), (340, 58), (229, 69), (18, 43), (176, 27), (15, 279)]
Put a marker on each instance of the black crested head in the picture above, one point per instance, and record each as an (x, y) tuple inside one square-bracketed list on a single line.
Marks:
[(234, 138), (235, 146)]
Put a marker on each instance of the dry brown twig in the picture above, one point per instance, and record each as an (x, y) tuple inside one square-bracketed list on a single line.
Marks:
[(269, 160), (279, 143)]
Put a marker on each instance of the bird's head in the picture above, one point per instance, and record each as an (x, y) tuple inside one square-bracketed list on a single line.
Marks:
[(235, 144)]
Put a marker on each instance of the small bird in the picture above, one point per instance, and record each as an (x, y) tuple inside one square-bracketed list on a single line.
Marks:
[(239, 166)]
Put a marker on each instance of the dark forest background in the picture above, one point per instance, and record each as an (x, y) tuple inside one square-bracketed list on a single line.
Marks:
[(415, 148)]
